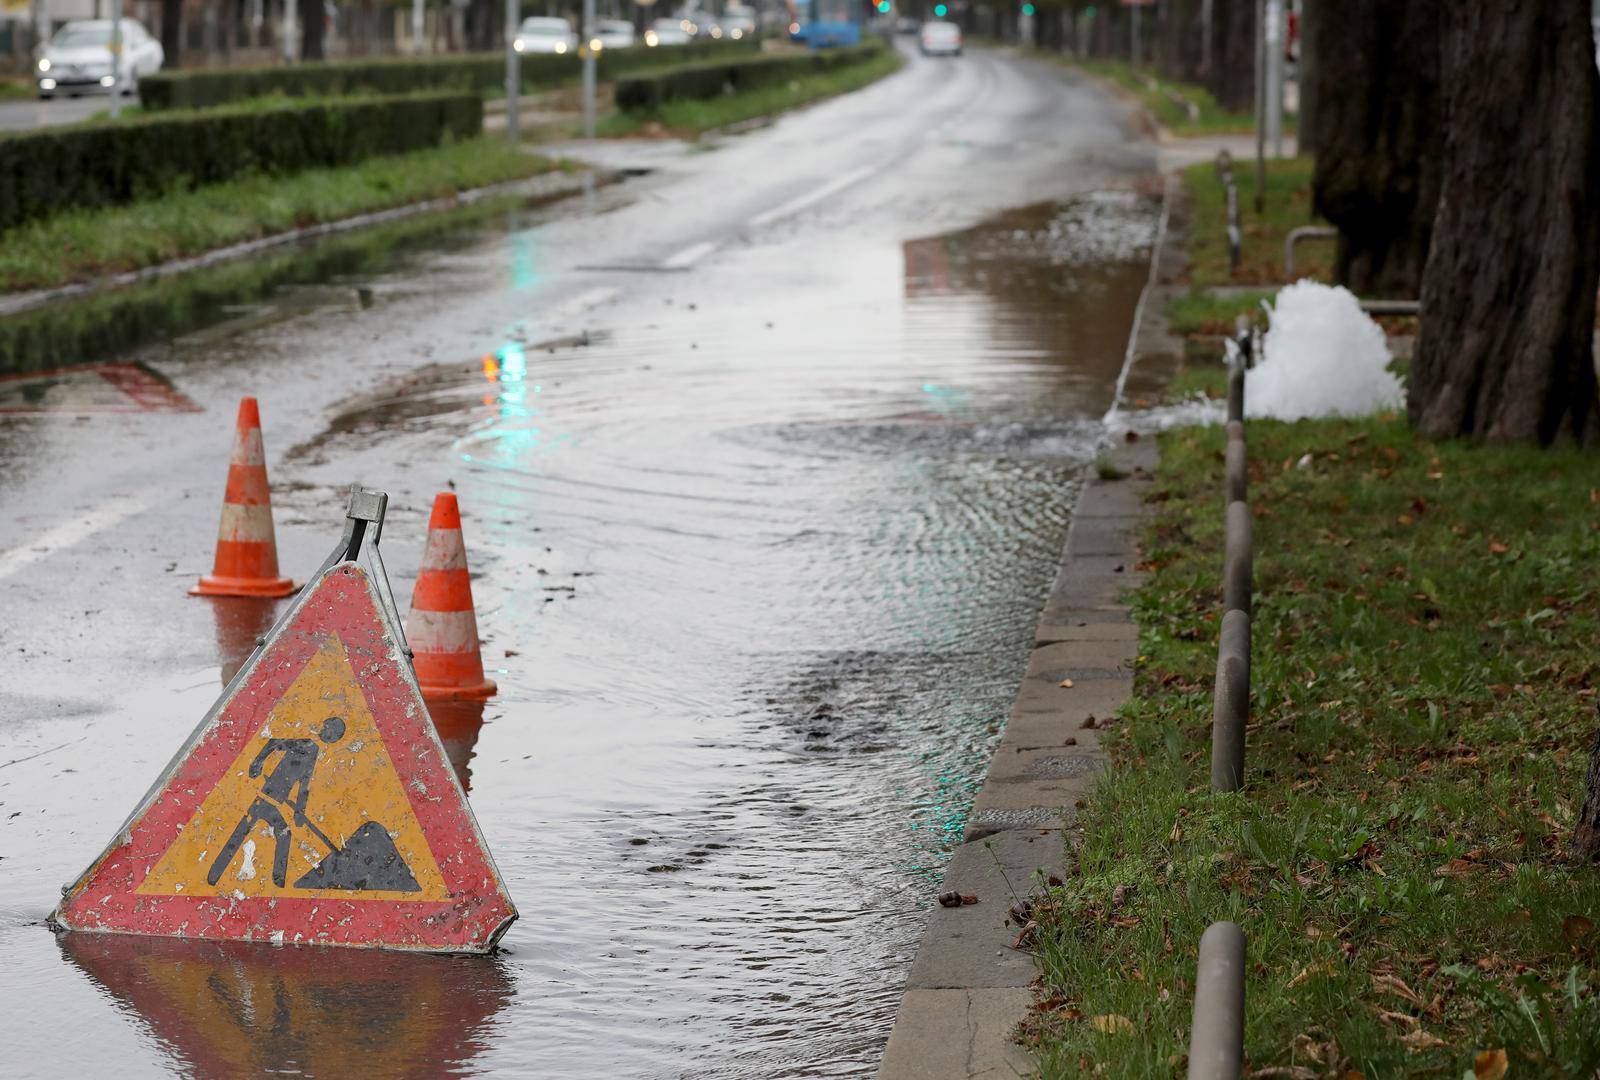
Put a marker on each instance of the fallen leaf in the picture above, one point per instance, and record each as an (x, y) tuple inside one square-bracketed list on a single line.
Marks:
[(1421, 1040), (1066, 684), (1497, 548), (1394, 985), (1310, 970), (1576, 927), (950, 899), (1404, 519), (1490, 1064), (1112, 1024)]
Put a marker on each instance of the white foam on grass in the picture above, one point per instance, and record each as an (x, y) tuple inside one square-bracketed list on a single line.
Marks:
[(1322, 356)]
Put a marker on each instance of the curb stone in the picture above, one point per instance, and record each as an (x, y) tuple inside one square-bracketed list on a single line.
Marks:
[(968, 988)]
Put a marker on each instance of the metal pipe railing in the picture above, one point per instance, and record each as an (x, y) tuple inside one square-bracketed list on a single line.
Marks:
[(1216, 1040)]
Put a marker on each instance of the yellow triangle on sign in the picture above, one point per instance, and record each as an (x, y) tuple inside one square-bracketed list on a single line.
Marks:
[(312, 807)]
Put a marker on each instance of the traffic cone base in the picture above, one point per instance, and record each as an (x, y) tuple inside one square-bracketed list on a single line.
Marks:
[(247, 547), (442, 628)]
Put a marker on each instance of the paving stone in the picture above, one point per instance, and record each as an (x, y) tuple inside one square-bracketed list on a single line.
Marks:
[(970, 946), (958, 1035)]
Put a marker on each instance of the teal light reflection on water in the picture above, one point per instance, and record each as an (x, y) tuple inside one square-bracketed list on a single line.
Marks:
[(945, 399), (524, 262), (513, 433)]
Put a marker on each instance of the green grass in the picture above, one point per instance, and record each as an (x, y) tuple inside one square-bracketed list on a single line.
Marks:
[(83, 244), (1170, 101), (1287, 206), (12, 89), (695, 117), (1199, 312), (1424, 693)]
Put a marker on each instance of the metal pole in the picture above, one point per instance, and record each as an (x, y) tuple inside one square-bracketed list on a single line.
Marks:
[(116, 59), (1238, 554), (513, 71), (1273, 33), (1230, 705), (1205, 36), (417, 27), (589, 60), (1216, 1036), (290, 32), (1134, 11)]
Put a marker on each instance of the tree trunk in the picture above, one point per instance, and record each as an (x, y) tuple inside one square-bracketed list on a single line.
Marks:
[(172, 33), (1379, 138), (1586, 838), (1508, 299), (1178, 37), (311, 27), (484, 19), (1232, 80)]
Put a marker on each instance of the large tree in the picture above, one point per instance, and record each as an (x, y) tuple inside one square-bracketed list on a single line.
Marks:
[(1378, 135), (1232, 78), (172, 33), (1508, 298)]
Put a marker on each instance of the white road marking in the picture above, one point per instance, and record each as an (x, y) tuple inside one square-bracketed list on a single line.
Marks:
[(688, 256), (812, 197), (69, 533), (577, 305)]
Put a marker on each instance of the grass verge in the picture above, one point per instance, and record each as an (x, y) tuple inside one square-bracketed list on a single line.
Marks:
[(84, 244), (1423, 697), (1199, 312), (692, 118), (1287, 206), (1182, 108)]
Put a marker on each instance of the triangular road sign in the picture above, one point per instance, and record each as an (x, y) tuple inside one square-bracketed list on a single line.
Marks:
[(314, 805)]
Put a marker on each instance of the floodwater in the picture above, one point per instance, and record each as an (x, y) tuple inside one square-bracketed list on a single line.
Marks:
[(758, 552)]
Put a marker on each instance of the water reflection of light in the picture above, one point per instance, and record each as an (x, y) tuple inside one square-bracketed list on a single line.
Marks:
[(524, 264), (944, 399), (511, 434)]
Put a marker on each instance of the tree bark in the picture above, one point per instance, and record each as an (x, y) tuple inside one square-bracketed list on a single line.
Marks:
[(1379, 138), (1506, 349), (1586, 838), (172, 33), (1178, 37), (1232, 79), (312, 23)]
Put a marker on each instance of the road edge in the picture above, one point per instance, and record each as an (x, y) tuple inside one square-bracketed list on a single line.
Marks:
[(968, 988)]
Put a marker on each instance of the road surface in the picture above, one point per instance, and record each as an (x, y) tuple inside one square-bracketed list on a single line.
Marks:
[(33, 113), (766, 457)]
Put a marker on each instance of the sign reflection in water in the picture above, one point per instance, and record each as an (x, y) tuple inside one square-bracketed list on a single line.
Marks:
[(242, 1009)]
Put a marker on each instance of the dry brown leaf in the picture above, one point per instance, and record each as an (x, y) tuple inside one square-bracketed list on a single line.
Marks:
[(1310, 970), (1290, 1072), (1490, 1064), (1066, 683), (1576, 927), (1421, 1040), (1395, 985), (1112, 1024)]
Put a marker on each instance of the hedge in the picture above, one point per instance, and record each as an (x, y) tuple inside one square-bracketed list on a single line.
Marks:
[(649, 91), (104, 164), (471, 71)]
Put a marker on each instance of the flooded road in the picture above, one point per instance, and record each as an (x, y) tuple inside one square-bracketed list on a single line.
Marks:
[(766, 458)]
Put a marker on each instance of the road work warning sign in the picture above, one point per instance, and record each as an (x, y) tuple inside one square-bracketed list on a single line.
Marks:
[(314, 805)]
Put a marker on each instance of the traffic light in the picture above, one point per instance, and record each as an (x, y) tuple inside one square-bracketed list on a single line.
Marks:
[(1027, 9), (940, 11), (883, 7)]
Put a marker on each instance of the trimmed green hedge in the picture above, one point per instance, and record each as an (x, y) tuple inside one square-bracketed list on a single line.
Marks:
[(471, 71), (104, 164), (649, 91)]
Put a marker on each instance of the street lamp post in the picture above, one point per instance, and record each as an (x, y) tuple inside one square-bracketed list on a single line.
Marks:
[(513, 71), (589, 60), (116, 58)]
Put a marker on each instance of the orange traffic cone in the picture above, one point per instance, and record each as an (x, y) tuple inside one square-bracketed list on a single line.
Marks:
[(442, 628), (247, 547)]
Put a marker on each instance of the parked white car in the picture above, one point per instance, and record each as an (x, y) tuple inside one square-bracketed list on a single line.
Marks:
[(78, 59), (614, 33), (666, 32), (545, 35)]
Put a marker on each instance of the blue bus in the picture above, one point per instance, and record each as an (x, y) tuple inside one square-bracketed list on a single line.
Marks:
[(826, 24)]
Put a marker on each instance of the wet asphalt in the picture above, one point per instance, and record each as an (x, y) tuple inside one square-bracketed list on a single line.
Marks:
[(766, 457)]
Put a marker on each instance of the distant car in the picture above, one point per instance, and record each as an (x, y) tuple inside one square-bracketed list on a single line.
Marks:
[(545, 35), (666, 32), (614, 33), (941, 39), (78, 59)]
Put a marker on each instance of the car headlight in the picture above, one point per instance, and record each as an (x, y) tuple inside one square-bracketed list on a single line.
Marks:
[(44, 63), (561, 46), (519, 45), (736, 33), (595, 44), (650, 37)]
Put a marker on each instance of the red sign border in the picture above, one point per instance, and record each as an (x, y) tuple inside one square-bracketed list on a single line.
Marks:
[(344, 601)]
